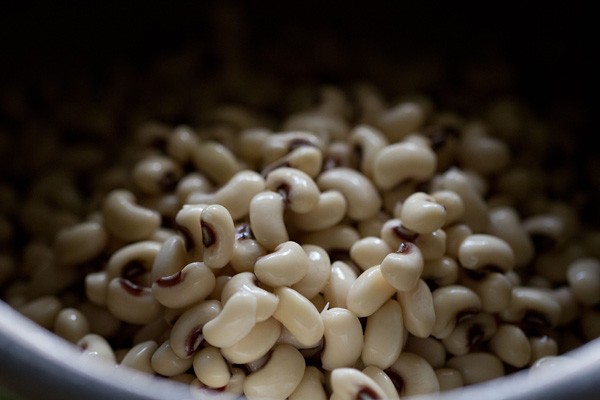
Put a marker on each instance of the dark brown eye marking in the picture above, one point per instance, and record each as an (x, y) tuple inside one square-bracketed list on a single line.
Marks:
[(244, 231), (404, 234), (466, 314), (396, 379), (537, 319), (131, 287), (299, 142), (187, 237), (405, 248), (366, 393), (273, 166), (171, 280), (543, 243), (284, 191), (167, 182), (193, 341), (439, 135), (208, 235), (133, 269), (475, 335)]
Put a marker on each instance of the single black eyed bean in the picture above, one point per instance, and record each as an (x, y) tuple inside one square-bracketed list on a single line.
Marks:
[(536, 307), (441, 272), (343, 338), (400, 162), (311, 386), (363, 200), (403, 268), (191, 184), (511, 345), (432, 245), (187, 221), (298, 315), (255, 344), (569, 307), (156, 174), (382, 380), (454, 237), (133, 260), (470, 332), (480, 152), (218, 236), (235, 321), (384, 336), (166, 363), (422, 214), (366, 142), (71, 325), (246, 250), (452, 303), (80, 243), (542, 346), (319, 271), (186, 335), (132, 303), (412, 375), (352, 384), (126, 220), (211, 368), (307, 159), (186, 287), (400, 120), (418, 309), (368, 292), (547, 231), (341, 279), (300, 193), (139, 357), (329, 211), (266, 302), (287, 265), (449, 378), (506, 225), (369, 251), (96, 347), (477, 367), (338, 238), (452, 203), (278, 145), (583, 277), (170, 259), (394, 233), (486, 252), (215, 161), (266, 219)]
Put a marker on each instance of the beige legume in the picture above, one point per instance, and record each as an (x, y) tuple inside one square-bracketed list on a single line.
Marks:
[(279, 377), (542, 346), (569, 308), (246, 250), (187, 221), (307, 159), (341, 279), (382, 380), (319, 270), (191, 185), (422, 214), (338, 237), (266, 219), (71, 325), (399, 162), (449, 379), (329, 211), (368, 292), (350, 384), (383, 337), (210, 368), (452, 303), (131, 303), (96, 287), (469, 333), (418, 309), (300, 193), (369, 251), (156, 174), (414, 374), (429, 348), (366, 142), (186, 287), (215, 161), (477, 367), (126, 220), (187, 333), (400, 120), (166, 363), (170, 259), (583, 277), (311, 386), (255, 344), (297, 314), (95, 346), (442, 272), (511, 345), (139, 357), (494, 290), (537, 306), (432, 245), (266, 302), (506, 225), (80, 243), (287, 265), (452, 203), (481, 251), (403, 268), (343, 338), (235, 321)]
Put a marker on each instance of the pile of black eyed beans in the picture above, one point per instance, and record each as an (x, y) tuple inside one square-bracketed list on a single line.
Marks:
[(354, 249)]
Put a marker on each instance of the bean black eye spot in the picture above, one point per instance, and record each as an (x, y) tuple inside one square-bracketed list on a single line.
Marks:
[(208, 235)]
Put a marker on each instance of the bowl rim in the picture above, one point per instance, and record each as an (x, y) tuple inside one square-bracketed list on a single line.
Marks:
[(59, 372)]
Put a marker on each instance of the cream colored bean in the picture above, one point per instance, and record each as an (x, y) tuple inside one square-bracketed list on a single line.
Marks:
[(170, 259), (368, 292), (132, 260), (186, 287), (534, 306), (350, 384), (187, 333), (156, 174), (299, 191), (317, 276), (366, 142), (340, 237), (211, 368), (246, 250), (266, 302), (569, 307), (494, 289), (280, 144), (266, 219), (480, 152), (400, 162), (583, 277), (341, 278), (343, 338), (382, 380), (166, 363), (469, 333), (542, 346), (362, 198), (432, 245), (547, 231), (454, 238), (287, 265), (161, 235), (139, 357), (235, 195), (187, 221), (218, 236), (247, 143), (191, 185), (279, 377), (384, 336), (126, 220), (449, 379), (329, 210), (102, 322), (180, 142), (485, 252), (255, 344), (511, 345), (311, 386), (131, 303), (235, 321), (80, 243), (71, 325), (96, 287), (326, 126), (307, 159), (477, 367), (418, 309), (451, 304), (298, 315), (369, 251), (394, 233), (422, 214), (412, 375), (506, 225), (403, 268), (96, 347), (441, 272), (215, 161), (42, 310), (220, 283), (400, 120), (476, 214), (452, 203), (429, 348)]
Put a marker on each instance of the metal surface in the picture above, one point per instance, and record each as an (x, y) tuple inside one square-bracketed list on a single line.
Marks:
[(37, 364)]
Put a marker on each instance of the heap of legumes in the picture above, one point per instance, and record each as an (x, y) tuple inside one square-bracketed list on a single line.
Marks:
[(356, 249)]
